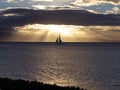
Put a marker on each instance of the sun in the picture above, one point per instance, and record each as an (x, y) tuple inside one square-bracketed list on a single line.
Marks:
[(62, 29)]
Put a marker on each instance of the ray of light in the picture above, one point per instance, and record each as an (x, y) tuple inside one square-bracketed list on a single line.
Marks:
[(69, 33)]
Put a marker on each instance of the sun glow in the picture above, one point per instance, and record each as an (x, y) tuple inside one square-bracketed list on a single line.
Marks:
[(50, 32), (63, 30)]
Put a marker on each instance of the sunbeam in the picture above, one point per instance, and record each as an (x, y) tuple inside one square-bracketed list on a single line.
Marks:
[(69, 33)]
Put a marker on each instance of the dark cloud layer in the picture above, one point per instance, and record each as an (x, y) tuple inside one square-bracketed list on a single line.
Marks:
[(17, 17), (68, 17)]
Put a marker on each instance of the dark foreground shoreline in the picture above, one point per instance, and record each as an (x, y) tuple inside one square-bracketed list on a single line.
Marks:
[(9, 84)]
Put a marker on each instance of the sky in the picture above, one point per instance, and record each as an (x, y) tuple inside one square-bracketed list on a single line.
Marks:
[(98, 6), (76, 20)]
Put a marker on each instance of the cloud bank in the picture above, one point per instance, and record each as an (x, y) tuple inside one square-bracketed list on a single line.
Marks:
[(92, 2), (11, 18), (99, 6), (16, 17)]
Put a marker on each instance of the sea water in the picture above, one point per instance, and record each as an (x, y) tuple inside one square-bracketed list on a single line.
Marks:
[(94, 66)]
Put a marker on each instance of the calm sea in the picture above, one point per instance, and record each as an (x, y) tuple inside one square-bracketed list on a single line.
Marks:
[(94, 66)]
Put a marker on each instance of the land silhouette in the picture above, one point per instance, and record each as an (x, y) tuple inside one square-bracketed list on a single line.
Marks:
[(9, 84)]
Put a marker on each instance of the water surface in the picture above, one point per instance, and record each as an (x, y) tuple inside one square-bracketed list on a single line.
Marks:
[(95, 66)]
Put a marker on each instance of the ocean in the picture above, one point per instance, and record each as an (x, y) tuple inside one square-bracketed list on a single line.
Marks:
[(94, 66)]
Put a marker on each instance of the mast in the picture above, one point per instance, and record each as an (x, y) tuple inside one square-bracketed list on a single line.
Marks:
[(60, 41)]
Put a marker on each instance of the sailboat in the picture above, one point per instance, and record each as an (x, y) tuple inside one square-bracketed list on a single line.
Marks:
[(58, 40)]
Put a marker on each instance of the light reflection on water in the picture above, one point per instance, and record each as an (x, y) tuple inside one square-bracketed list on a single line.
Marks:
[(56, 70), (92, 66)]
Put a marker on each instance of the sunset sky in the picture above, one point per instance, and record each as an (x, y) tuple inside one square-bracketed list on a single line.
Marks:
[(75, 20)]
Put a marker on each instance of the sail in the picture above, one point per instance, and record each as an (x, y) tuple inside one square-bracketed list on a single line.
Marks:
[(58, 40)]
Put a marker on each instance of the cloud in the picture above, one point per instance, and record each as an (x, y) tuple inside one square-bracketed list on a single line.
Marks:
[(92, 2), (77, 17), (42, 0), (39, 6), (115, 10), (115, 1), (99, 6), (52, 7), (9, 1), (18, 17), (11, 18)]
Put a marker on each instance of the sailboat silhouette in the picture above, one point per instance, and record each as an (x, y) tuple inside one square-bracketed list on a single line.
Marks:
[(58, 40)]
